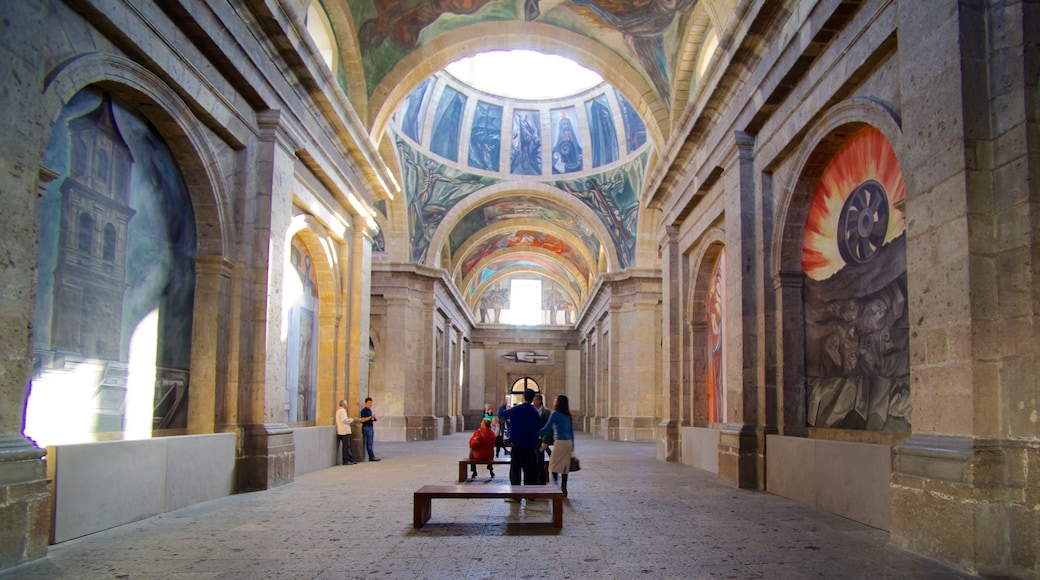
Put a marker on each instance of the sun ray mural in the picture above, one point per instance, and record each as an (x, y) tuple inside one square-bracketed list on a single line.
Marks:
[(869, 219)]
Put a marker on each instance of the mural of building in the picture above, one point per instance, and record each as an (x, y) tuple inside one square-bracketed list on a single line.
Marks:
[(790, 243)]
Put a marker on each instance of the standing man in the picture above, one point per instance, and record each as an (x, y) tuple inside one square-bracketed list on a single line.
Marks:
[(343, 433), (524, 423), (543, 442), (368, 429)]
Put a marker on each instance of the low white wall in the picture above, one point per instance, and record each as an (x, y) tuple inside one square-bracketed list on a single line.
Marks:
[(700, 448), (847, 479), (316, 448), (98, 486)]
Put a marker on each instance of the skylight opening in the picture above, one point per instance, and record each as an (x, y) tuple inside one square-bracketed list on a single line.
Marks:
[(524, 74)]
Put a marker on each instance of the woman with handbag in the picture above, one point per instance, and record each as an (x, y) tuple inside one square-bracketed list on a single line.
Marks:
[(563, 429)]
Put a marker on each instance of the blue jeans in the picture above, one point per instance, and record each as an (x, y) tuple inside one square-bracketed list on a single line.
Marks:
[(369, 434)]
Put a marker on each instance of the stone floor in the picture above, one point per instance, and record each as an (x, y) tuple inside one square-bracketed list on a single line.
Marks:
[(628, 516)]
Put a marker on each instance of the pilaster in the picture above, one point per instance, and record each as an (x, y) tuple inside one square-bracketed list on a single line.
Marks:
[(267, 453), (669, 441), (742, 441)]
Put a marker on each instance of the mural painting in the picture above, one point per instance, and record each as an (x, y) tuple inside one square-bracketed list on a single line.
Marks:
[(554, 301), (635, 130), (115, 292), (525, 238), (447, 124), (431, 189), (613, 197), (410, 115), (566, 148), (855, 295), (525, 148), (522, 208), (716, 307), (485, 139), (492, 302), (301, 351), (603, 133)]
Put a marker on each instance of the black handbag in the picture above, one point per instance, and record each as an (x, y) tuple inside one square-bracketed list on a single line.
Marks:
[(575, 464)]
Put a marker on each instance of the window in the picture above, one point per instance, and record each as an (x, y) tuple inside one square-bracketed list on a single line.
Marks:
[(320, 29), (110, 243), (85, 235), (525, 303)]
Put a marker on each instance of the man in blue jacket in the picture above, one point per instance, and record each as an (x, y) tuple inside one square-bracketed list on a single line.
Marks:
[(524, 422)]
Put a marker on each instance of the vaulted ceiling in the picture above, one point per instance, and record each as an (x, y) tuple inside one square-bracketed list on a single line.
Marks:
[(492, 187)]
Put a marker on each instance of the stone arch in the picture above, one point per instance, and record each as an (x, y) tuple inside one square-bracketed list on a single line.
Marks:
[(808, 162), (532, 189), (703, 260), (682, 81), (426, 59), (816, 149), (508, 226), (175, 122), (331, 304), (210, 197)]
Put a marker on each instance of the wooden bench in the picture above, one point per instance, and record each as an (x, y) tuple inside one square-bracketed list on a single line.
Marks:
[(464, 463), (424, 495)]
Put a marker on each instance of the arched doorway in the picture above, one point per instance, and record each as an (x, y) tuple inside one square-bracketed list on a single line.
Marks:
[(516, 390)]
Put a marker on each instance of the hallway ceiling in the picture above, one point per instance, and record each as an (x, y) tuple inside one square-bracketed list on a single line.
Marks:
[(494, 187)]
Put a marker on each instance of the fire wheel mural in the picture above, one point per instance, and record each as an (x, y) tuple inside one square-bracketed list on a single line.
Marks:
[(852, 213), (857, 361)]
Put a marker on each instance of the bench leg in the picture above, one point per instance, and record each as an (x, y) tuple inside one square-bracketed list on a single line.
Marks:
[(557, 511), (421, 511), (462, 472)]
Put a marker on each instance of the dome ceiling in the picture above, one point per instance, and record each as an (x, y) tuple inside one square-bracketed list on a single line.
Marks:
[(495, 188)]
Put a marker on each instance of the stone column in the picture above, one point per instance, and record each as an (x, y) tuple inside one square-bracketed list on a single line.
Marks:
[(791, 346), (966, 483), (669, 441), (267, 453), (359, 301), (741, 442), (209, 347), (25, 491)]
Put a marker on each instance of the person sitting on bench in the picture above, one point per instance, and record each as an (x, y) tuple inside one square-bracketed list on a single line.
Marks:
[(482, 446)]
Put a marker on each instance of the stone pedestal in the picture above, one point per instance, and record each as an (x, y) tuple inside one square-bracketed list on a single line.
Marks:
[(266, 457), (669, 441), (739, 455), (970, 502), (25, 502)]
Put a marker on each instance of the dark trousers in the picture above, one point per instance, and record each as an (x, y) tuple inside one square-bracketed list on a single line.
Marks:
[(344, 441), (539, 464), (523, 462)]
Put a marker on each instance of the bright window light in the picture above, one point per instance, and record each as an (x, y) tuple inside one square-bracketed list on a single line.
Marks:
[(525, 303), (524, 74)]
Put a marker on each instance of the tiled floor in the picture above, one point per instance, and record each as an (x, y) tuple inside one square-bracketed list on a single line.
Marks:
[(628, 516)]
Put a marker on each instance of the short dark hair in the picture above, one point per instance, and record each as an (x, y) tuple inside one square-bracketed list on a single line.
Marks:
[(538, 396), (367, 399), (528, 395)]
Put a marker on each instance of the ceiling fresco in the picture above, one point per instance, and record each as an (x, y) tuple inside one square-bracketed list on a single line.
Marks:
[(527, 208), (644, 34), (525, 239)]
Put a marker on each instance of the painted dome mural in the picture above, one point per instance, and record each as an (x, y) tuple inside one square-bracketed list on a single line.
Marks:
[(572, 168)]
